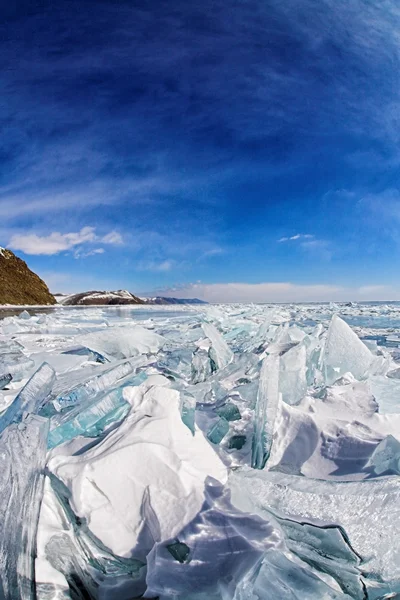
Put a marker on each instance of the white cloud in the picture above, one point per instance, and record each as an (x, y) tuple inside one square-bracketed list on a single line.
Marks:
[(279, 292), (80, 254), (113, 237), (298, 236), (162, 267), (57, 242)]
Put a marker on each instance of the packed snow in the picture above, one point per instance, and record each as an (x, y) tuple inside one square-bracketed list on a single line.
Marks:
[(212, 452)]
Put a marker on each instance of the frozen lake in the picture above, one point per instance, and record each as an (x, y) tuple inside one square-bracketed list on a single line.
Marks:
[(219, 451)]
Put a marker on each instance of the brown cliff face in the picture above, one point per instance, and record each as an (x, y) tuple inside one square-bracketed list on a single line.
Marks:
[(18, 284)]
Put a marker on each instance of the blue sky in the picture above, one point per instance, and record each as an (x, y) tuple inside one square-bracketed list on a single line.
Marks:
[(231, 150)]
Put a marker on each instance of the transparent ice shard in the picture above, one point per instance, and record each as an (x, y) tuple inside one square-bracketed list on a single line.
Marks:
[(386, 457), (90, 419), (90, 568), (31, 398), (188, 410), (16, 363), (367, 511), (177, 362), (262, 336), (265, 413), (201, 367), (327, 550), (220, 354), (344, 352), (97, 384), (313, 344), (24, 315), (293, 374), (218, 431), (229, 411), (280, 576), (22, 460), (91, 354), (123, 342), (386, 391)]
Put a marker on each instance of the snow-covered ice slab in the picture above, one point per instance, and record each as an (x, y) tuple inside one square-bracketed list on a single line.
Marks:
[(151, 455)]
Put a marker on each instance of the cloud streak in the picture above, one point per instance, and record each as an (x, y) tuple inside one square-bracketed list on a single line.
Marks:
[(57, 242), (298, 236)]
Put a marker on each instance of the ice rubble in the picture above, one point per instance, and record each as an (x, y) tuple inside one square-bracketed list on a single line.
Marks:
[(119, 429)]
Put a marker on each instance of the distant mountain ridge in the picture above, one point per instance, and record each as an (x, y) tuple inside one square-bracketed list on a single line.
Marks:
[(167, 300), (19, 285), (97, 298), (119, 298)]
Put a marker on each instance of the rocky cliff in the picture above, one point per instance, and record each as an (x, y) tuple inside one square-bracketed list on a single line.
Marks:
[(18, 284)]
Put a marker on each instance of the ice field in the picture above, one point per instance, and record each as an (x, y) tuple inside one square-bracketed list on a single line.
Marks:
[(220, 452)]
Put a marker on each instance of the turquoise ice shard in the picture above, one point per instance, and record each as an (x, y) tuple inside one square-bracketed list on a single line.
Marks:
[(94, 385), (229, 411), (89, 567), (280, 576), (344, 352), (220, 354), (367, 511), (266, 410), (386, 457), (328, 551), (218, 431), (90, 419), (31, 398), (293, 374), (188, 410), (236, 442), (22, 460)]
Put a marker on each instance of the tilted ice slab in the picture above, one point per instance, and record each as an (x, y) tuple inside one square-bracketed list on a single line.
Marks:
[(151, 455), (31, 398), (369, 511), (344, 352), (220, 353), (265, 413), (123, 342), (22, 460)]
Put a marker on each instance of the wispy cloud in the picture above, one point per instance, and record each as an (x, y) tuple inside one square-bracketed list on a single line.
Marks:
[(113, 238), (79, 253), (57, 242), (297, 236), (163, 266)]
